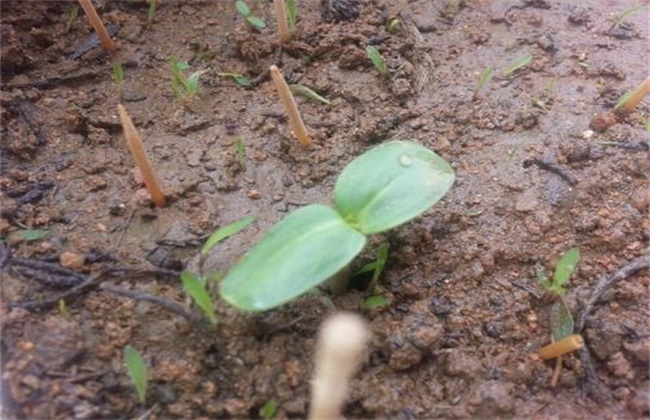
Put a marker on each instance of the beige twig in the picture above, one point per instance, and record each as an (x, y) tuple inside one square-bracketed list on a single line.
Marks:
[(636, 96), (283, 26), (134, 142), (97, 24), (298, 126), (341, 342)]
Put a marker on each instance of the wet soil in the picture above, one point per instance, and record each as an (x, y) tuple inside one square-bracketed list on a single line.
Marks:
[(466, 313)]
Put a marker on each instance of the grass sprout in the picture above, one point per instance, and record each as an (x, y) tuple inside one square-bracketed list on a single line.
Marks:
[(376, 266), (483, 78), (518, 64), (118, 78), (63, 309), (374, 302), (27, 235), (245, 11), (225, 232), (184, 86), (627, 13), (392, 26), (151, 14), (377, 60), (137, 370), (241, 153), (195, 287), (292, 13), (269, 409), (308, 93), (238, 78), (72, 16)]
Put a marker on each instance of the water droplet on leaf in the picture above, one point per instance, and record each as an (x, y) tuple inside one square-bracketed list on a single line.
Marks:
[(405, 160)]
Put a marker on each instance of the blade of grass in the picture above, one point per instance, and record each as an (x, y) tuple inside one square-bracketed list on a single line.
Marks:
[(137, 370), (308, 93), (225, 232), (196, 289), (377, 60), (518, 64)]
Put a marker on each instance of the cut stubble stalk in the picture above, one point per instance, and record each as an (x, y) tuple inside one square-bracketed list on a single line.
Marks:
[(283, 26), (298, 126), (562, 347), (134, 142), (97, 24), (635, 97)]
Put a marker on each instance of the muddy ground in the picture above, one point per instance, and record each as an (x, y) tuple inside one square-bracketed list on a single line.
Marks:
[(466, 314)]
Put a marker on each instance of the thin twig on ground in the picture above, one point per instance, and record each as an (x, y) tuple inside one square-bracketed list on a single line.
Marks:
[(165, 303)]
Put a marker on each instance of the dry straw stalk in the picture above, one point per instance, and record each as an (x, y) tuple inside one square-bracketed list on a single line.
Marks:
[(97, 24), (562, 347), (134, 142), (341, 342), (283, 26), (298, 126), (636, 96)]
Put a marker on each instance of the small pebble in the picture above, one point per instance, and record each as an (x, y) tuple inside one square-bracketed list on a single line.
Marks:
[(72, 260), (254, 194)]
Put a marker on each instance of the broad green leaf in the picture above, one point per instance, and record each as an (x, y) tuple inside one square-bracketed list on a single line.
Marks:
[(308, 93), (561, 320), (390, 185), (543, 280), (196, 289), (375, 302), (137, 370), (565, 267), (300, 252), (226, 231), (256, 22), (192, 82), (242, 8), (377, 60)]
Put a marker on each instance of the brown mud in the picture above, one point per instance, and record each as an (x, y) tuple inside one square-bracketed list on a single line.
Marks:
[(466, 313)]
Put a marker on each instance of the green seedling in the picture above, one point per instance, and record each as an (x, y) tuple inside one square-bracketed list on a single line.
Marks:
[(376, 266), (238, 78), (308, 93), (26, 235), (518, 64), (72, 16), (197, 290), (137, 370), (184, 86), (241, 153), (374, 302), (63, 309), (392, 25), (561, 319), (627, 13), (483, 78), (269, 409), (245, 11), (379, 190), (151, 14), (377, 60), (292, 14), (196, 285), (118, 78), (623, 100)]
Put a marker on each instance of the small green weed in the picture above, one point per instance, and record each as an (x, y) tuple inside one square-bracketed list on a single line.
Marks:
[(308, 93), (137, 370), (63, 309), (195, 287), (241, 153), (483, 78), (238, 78), (377, 60), (518, 64), (151, 14), (72, 16), (627, 13), (623, 99), (118, 78), (269, 409), (376, 266), (184, 86), (245, 11), (374, 302), (292, 14), (392, 25), (560, 316), (26, 235)]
